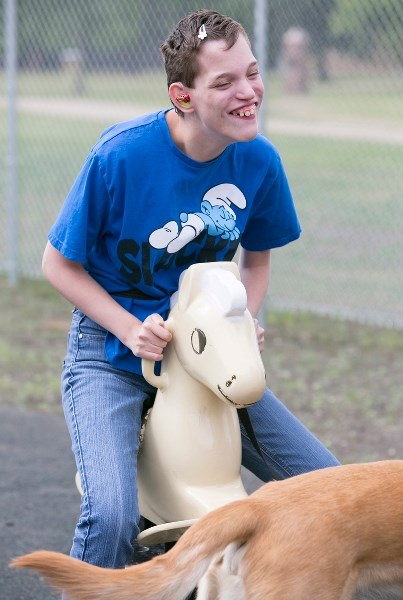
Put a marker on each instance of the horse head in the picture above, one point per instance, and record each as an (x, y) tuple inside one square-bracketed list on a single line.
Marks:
[(214, 334)]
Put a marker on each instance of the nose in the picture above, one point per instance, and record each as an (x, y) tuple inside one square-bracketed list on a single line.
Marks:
[(245, 90)]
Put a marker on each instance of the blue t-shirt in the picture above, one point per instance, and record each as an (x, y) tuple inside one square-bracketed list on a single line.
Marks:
[(141, 212)]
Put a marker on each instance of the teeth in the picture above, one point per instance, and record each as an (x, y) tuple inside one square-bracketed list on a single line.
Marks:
[(248, 112)]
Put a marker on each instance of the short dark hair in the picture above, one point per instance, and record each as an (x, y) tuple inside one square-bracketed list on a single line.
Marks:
[(180, 49)]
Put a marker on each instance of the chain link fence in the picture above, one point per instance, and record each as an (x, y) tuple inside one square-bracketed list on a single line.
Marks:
[(334, 108)]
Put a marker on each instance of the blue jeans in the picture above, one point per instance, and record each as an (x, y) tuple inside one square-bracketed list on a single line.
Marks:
[(103, 407)]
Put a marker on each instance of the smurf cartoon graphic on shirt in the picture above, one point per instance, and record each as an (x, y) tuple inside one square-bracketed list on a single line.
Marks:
[(215, 216)]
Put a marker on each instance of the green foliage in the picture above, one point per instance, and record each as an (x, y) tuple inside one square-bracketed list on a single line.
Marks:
[(122, 35), (311, 15), (366, 28), (47, 27), (127, 34)]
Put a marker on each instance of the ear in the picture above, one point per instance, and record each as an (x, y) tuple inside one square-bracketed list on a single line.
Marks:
[(175, 91)]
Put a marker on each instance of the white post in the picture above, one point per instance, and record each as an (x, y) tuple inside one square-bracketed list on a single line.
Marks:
[(10, 21), (261, 40), (261, 36)]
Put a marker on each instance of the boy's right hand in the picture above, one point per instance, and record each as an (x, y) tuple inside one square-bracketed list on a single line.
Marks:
[(150, 339)]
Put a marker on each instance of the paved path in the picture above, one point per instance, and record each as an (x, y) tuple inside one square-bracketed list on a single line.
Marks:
[(39, 503), (38, 500), (367, 130)]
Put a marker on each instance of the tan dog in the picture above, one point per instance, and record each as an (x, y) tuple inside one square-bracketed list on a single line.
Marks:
[(316, 536)]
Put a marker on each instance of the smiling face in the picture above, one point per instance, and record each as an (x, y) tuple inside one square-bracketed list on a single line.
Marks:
[(227, 92)]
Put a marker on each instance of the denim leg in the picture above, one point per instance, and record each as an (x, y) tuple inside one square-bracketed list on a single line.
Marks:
[(103, 407), (288, 446)]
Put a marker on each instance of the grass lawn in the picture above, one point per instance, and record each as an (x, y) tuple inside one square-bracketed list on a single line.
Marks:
[(348, 197), (348, 193), (349, 200), (344, 380)]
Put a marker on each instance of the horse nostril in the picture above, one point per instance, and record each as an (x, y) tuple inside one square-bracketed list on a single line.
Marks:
[(229, 382)]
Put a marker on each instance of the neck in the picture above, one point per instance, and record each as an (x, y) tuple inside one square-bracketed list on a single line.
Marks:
[(188, 139)]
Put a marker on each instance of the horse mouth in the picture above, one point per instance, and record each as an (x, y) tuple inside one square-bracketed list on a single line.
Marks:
[(236, 404)]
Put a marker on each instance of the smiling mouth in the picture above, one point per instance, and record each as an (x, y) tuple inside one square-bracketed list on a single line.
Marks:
[(231, 401), (247, 111)]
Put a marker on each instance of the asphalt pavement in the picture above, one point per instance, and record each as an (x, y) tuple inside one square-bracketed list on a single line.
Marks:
[(39, 504)]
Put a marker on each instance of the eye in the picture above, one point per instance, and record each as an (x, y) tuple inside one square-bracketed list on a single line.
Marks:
[(198, 341)]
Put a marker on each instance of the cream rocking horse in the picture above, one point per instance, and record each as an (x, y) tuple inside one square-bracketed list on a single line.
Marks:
[(190, 459)]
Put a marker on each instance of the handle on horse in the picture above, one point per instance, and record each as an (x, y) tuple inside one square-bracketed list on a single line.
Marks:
[(148, 366)]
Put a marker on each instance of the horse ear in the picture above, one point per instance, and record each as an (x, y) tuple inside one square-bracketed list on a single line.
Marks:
[(230, 266), (187, 287), (189, 283)]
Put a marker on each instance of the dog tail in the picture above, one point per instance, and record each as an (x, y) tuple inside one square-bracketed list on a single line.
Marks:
[(171, 576)]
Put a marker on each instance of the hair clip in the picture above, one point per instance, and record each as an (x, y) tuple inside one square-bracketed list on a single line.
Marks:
[(202, 32)]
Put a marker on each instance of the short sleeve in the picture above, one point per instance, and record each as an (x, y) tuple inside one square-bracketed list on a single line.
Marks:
[(273, 221), (83, 215)]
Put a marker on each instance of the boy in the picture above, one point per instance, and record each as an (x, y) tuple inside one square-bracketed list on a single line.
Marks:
[(157, 194)]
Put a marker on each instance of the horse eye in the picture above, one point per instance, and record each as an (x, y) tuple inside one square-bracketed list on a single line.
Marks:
[(198, 341)]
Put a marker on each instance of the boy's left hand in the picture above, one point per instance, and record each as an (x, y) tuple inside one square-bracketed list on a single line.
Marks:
[(259, 335)]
